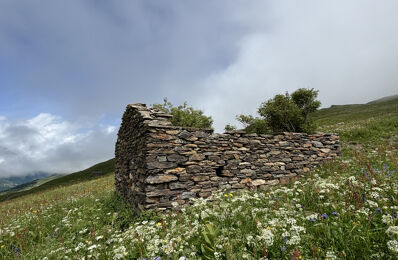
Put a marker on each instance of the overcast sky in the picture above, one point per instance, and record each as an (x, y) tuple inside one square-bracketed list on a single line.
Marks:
[(69, 68)]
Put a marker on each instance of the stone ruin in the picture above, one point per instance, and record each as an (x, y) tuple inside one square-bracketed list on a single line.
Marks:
[(158, 164)]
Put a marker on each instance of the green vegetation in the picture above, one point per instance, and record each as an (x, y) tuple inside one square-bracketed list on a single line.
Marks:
[(283, 113), (185, 116), (253, 124), (346, 209), (366, 124)]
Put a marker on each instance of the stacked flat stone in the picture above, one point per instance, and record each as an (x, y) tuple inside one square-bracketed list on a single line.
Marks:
[(158, 165)]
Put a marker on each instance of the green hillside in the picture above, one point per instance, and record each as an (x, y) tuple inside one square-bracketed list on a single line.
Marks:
[(346, 209), (356, 112), (370, 123), (93, 172)]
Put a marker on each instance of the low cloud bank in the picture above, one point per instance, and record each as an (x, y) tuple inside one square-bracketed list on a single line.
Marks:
[(48, 143)]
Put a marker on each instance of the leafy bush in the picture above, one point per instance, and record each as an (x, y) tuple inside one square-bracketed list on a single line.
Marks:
[(283, 113), (291, 112), (229, 127), (253, 124), (184, 115)]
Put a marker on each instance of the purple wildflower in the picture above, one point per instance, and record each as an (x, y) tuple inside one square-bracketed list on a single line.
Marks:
[(335, 213), (324, 215), (363, 197)]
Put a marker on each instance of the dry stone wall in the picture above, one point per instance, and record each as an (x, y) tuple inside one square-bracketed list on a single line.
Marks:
[(158, 165)]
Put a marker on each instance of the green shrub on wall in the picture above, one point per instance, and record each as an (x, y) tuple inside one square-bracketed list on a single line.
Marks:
[(184, 115), (284, 113)]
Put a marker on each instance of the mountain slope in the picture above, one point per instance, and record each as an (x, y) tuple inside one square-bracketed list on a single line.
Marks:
[(361, 123), (384, 99), (93, 172), (31, 184), (348, 113), (7, 183)]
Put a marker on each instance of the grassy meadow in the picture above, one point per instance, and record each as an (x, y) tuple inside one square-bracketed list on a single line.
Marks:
[(345, 209)]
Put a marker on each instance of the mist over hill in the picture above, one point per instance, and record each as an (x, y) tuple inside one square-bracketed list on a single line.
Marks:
[(7, 183), (384, 99)]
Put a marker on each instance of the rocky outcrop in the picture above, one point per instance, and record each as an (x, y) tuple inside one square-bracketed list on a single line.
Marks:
[(158, 164)]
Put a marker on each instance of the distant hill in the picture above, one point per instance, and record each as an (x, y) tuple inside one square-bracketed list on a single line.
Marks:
[(31, 184), (384, 99), (93, 172), (7, 183), (355, 112), (368, 124)]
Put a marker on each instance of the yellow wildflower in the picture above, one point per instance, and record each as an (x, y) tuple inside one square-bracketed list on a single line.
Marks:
[(225, 195), (159, 224), (268, 228), (2, 246), (179, 239), (231, 195), (355, 224), (86, 241)]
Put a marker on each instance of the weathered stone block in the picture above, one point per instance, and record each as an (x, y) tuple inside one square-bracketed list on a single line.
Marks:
[(258, 182), (161, 165), (176, 158), (184, 134), (317, 144), (188, 195), (177, 185), (197, 157), (199, 178), (160, 179), (192, 169), (176, 171)]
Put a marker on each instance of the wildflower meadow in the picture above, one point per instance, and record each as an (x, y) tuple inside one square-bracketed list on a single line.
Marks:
[(344, 209)]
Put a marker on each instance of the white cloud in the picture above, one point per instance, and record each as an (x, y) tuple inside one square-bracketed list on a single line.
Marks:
[(110, 129), (48, 143), (344, 49)]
